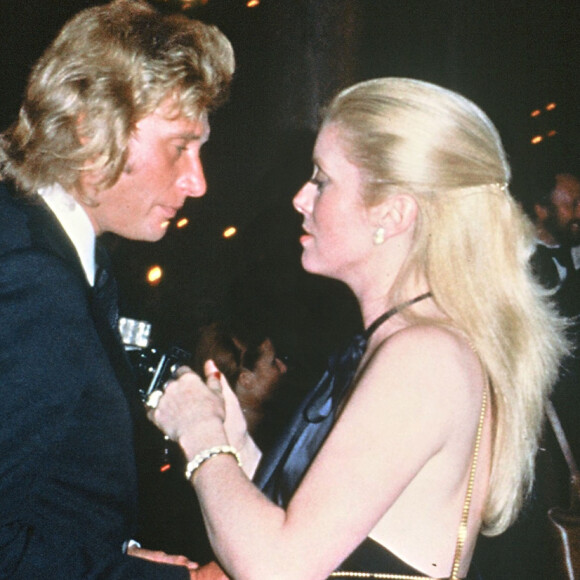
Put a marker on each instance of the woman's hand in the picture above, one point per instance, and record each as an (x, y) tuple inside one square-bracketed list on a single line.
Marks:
[(192, 412), (201, 415), (235, 424)]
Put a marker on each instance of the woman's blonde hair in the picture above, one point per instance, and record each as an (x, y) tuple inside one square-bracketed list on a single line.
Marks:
[(472, 244), (109, 67)]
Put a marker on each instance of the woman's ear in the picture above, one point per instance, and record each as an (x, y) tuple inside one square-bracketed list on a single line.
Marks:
[(395, 214)]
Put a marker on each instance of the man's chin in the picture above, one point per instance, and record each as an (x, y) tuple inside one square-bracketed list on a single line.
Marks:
[(156, 238), (156, 232), (152, 235)]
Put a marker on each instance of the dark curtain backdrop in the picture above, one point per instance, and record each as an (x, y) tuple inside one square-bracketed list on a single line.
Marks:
[(509, 57)]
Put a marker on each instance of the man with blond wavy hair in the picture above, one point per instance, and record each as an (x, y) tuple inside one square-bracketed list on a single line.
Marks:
[(107, 140)]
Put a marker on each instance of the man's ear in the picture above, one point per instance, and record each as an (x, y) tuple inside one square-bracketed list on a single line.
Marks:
[(89, 181), (246, 379), (542, 212), (395, 214), (87, 191)]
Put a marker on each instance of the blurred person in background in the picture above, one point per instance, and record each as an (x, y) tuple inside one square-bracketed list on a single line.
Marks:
[(556, 212), (251, 366)]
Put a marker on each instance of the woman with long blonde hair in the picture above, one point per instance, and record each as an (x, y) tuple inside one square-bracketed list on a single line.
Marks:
[(423, 433)]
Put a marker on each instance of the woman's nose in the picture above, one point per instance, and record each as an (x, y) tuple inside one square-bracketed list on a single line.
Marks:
[(302, 201)]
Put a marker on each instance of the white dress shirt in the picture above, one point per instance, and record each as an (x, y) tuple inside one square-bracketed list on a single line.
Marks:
[(76, 224)]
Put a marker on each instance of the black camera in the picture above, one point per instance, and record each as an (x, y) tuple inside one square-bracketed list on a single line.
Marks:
[(153, 368)]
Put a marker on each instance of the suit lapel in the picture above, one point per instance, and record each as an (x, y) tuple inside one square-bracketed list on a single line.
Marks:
[(47, 232)]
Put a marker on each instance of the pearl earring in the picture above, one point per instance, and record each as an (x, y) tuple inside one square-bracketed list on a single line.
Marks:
[(379, 236)]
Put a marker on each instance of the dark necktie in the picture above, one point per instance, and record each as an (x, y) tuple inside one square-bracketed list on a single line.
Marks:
[(105, 288)]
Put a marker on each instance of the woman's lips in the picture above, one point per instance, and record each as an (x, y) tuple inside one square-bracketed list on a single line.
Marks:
[(305, 236)]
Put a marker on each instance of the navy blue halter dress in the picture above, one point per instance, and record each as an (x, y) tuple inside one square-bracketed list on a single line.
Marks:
[(282, 469)]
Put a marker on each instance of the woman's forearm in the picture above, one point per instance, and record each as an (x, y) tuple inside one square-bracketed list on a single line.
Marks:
[(246, 530)]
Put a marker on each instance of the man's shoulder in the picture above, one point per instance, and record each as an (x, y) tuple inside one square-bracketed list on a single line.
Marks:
[(22, 217), (14, 218), (10, 196)]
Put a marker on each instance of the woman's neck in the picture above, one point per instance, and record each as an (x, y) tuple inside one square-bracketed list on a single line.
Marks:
[(374, 304)]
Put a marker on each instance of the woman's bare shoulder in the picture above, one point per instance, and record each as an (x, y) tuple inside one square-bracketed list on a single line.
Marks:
[(427, 339), (431, 363)]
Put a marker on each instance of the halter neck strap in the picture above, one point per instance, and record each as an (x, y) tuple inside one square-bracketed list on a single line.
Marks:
[(384, 317)]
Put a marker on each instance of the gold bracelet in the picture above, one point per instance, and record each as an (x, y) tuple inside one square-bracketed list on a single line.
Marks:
[(202, 457), (378, 575)]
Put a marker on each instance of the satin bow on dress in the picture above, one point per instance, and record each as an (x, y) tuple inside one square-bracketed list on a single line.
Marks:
[(282, 469)]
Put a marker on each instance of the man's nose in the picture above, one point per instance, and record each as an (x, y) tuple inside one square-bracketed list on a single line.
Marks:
[(282, 368), (192, 181)]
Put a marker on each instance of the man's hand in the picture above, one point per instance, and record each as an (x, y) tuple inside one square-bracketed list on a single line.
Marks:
[(162, 557), (211, 571)]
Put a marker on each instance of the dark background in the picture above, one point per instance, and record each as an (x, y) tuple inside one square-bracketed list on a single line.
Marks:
[(510, 57)]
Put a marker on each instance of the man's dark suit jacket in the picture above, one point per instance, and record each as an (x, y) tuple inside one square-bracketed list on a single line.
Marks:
[(68, 486)]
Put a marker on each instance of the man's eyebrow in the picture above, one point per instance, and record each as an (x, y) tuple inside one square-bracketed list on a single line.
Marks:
[(191, 135)]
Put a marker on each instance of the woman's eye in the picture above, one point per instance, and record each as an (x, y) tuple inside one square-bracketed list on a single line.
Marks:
[(318, 181)]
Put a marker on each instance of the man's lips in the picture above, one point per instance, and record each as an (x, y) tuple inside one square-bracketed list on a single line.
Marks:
[(168, 213)]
